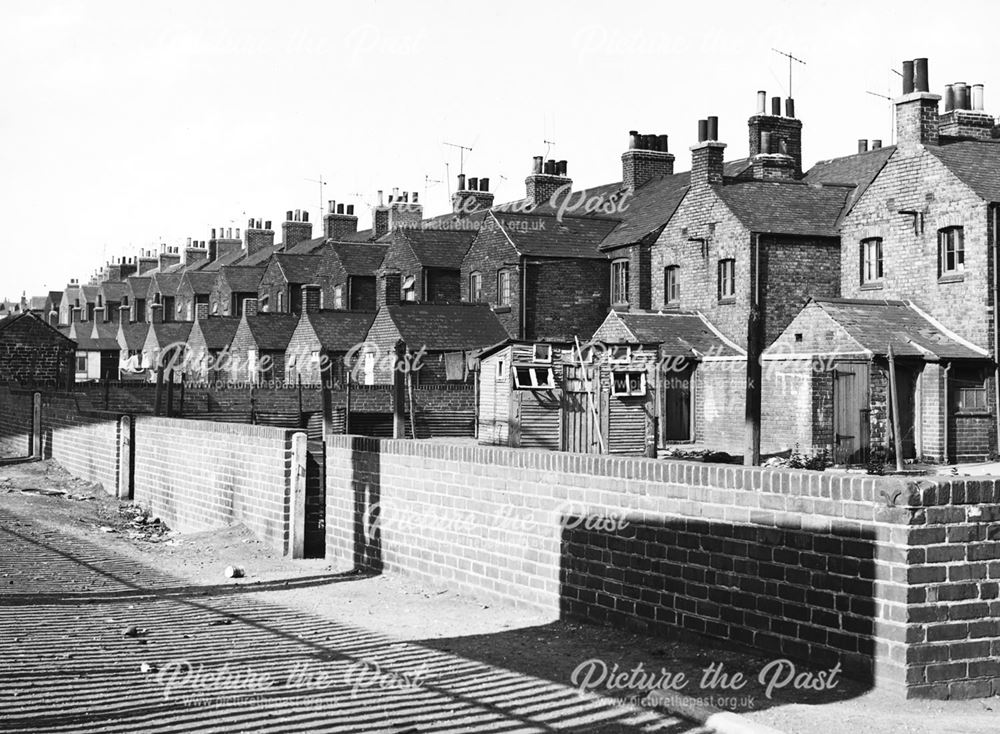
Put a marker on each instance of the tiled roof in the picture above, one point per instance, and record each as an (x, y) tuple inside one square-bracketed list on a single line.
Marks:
[(101, 337), (857, 170), (547, 236), (300, 269), (135, 334), (440, 327), (114, 290), (138, 286), (200, 282), (10, 320), (272, 331), (437, 248), (88, 294), (55, 298), (230, 258), (306, 246), (358, 258), (786, 207), (218, 331), (877, 324), (975, 162), (258, 258), (677, 333), (339, 331), (242, 279), (170, 332), (166, 283)]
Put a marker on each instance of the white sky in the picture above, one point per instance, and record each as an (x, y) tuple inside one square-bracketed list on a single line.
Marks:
[(126, 124)]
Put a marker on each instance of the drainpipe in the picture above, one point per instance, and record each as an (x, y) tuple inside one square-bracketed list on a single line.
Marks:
[(522, 297), (995, 211), (947, 368), (755, 346)]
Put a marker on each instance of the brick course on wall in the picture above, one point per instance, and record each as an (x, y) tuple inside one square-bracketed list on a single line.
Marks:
[(566, 298), (893, 579), (15, 423), (199, 475)]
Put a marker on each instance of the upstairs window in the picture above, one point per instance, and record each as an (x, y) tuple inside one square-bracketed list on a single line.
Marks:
[(619, 281), (475, 287), (672, 285), (338, 297), (503, 288), (871, 260), (409, 288), (951, 251), (281, 302), (727, 280)]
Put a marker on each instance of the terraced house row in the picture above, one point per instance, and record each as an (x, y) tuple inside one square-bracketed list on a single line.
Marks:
[(883, 257)]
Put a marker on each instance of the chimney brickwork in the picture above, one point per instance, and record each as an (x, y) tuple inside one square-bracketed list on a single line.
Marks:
[(471, 196), (295, 229), (545, 180), (776, 134), (646, 158), (340, 221), (390, 288), (258, 235)]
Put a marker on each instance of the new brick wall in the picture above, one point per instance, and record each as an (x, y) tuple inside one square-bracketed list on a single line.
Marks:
[(15, 423), (84, 442), (893, 579), (720, 405), (199, 475)]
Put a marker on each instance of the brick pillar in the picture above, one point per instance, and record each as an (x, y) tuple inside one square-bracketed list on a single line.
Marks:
[(249, 306), (932, 412), (389, 289), (310, 298), (297, 495), (917, 119)]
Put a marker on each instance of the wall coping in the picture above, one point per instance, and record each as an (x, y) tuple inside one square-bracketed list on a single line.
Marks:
[(888, 491), (203, 426)]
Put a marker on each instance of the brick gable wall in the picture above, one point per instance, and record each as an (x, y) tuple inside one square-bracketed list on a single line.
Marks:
[(793, 270), (400, 257), (490, 252), (31, 352), (566, 298)]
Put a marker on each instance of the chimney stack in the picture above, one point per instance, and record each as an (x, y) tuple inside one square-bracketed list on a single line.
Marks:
[(964, 117), (249, 307), (403, 212), (194, 253), (169, 257), (707, 156), (200, 311), (390, 288), (917, 110), (156, 313), (380, 217), (295, 229), (338, 224), (776, 134), (473, 198), (221, 244), (546, 180), (647, 158), (310, 298)]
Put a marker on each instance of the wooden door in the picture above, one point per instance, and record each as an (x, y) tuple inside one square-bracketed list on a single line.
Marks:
[(579, 430), (675, 406), (850, 412)]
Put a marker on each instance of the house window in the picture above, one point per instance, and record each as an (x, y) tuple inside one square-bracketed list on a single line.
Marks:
[(628, 384), (503, 288), (871, 260), (969, 388), (542, 353), (281, 303), (619, 281), (410, 288), (475, 287), (727, 280), (338, 297), (264, 302), (81, 363), (951, 251), (672, 285), (527, 377)]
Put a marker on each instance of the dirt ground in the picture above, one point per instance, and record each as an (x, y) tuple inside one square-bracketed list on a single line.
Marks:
[(43, 508)]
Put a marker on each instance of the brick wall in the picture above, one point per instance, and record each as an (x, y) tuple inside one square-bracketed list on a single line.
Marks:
[(720, 405), (15, 423), (199, 475), (893, 579), (362, 293), (84, 442), (793, 270), (566, 298), (490, 252), (33, 352)]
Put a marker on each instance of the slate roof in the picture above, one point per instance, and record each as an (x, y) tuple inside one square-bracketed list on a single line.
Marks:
[(11, 319), (258, 258), (306, 247), (677, 333), (975, 162), (876, 324), (786, 207), (437, 248), (104, 340), (218, 331), (138, 286), (114, 290), (241, 279), (88, 294), (358, 258), (546, 236), (135, 334), (857, 170), (339, 331), (300, 269), (230, 258), (170, 332), (200, 282), (444, 327), (37, 303), (272, 331), (55, 298), (166, 283)]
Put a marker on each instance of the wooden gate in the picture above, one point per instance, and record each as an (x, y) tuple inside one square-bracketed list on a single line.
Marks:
[(579, 424), (850, 412)]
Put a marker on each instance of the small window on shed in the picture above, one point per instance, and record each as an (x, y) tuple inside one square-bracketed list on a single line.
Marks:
[(501, 369), (628, 384), (619, 354), (534, 378), (542, 353)]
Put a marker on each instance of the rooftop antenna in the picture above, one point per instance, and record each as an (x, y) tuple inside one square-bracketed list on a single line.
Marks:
[(321, 183), (428, 182), (548, 146), (790, 60), (892, 107), (461, 154)]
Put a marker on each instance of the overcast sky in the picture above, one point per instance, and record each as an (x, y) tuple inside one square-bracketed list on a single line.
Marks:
[(127, 124)]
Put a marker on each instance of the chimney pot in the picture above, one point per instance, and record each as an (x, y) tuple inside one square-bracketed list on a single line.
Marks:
[(536, 166), (862, 145), (380, 197), (961, 96), (305, 215), (907, 77), (340, 208), (876, 144), (713, 128), (461, 182), (415, 194), (562, 168), (762, 102), (776, 106), (237, 233), (267, 224), (702, 131), (189, 242), (949, 97), (288, 215), (633, 139), (484, 184), (663, 146), (473, 184), (789, 107), (350, 209), (977, 97), (920, 79)]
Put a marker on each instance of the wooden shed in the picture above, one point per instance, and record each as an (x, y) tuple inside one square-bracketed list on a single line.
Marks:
[(540, 395)]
